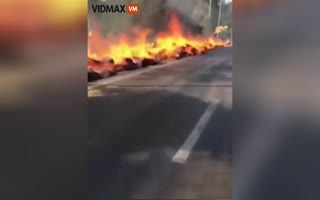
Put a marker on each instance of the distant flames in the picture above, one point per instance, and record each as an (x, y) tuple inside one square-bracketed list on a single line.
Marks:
[(113, 54)]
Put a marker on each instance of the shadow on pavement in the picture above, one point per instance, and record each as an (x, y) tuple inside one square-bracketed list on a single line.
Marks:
[(129, 133)]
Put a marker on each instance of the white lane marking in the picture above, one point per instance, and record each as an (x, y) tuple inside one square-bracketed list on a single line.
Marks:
[(130, 75), (183, 153)]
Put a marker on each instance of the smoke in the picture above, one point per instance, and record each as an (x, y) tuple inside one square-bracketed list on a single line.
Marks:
[(154, 15)]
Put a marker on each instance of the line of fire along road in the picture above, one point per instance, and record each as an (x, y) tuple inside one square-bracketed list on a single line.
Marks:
[(99, 69), (166, 47)]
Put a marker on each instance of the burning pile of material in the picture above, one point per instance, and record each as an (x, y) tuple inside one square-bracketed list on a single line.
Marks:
[(109, 55)]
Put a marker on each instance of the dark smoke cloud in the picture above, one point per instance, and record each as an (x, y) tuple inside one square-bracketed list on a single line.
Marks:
[(155, 15)]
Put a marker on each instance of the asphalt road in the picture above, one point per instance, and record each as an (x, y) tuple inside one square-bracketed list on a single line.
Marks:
[(139, 121)]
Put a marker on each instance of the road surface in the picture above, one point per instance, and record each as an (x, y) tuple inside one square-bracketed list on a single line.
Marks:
[(163, 132)]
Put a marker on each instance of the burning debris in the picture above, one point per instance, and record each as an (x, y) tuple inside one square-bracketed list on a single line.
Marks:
[(93, 76), (109, 55), (148, 62), (103, 67)]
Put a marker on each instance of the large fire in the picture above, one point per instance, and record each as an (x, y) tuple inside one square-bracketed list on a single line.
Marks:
[(112, 54)]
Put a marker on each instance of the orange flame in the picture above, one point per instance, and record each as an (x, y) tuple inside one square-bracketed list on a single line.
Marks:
[(165, 43)]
